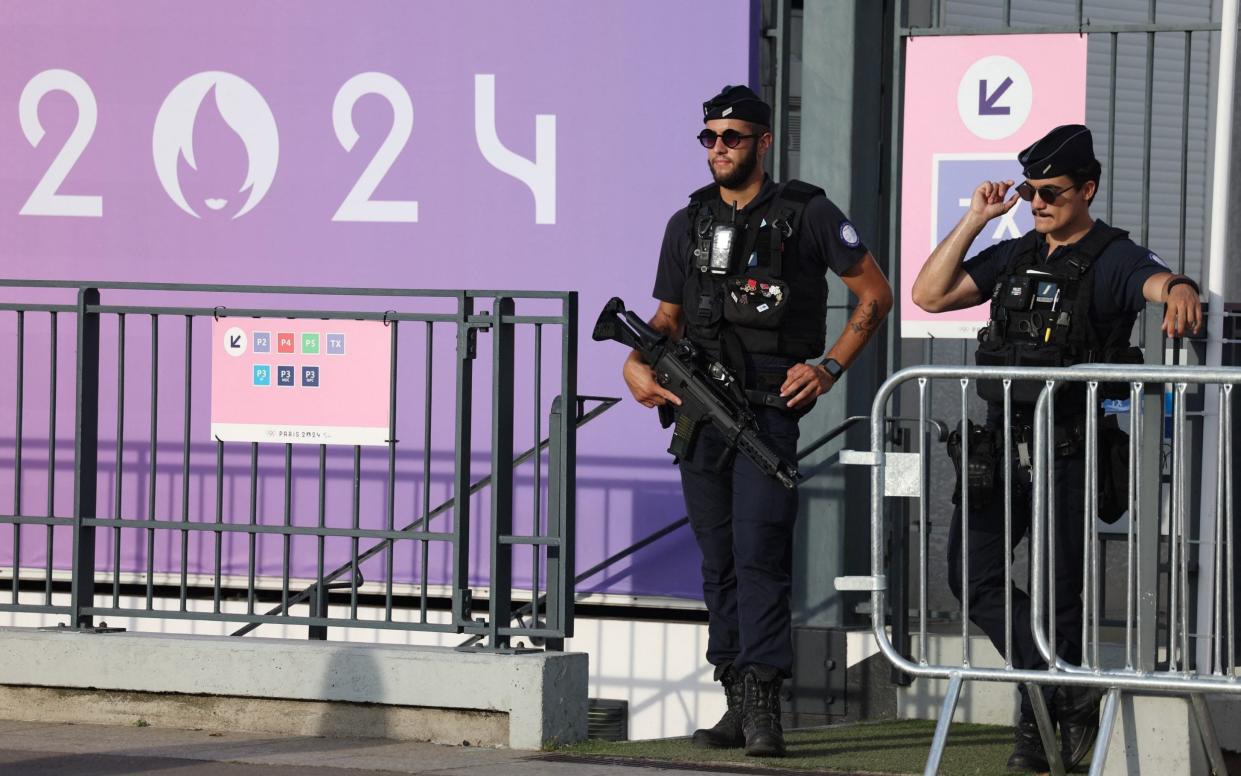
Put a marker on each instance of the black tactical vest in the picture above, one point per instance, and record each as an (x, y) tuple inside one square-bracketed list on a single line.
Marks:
[(1040, 315), (776, 305)]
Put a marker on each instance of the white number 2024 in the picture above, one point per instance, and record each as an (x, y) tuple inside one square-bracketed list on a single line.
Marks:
[(539, 174)]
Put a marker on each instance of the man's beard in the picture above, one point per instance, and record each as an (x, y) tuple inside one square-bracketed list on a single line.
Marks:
[(741, 173)]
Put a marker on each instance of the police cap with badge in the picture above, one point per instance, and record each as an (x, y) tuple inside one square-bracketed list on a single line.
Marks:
[(737, 102), (1064, 150)]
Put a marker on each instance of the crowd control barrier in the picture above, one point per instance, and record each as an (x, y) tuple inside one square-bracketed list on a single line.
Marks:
[(1175, 632)]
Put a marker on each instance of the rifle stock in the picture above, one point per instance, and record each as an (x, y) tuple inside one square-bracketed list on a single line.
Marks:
[(708, 395)]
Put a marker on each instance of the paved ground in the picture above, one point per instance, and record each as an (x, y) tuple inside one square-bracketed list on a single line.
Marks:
[(41, 749)]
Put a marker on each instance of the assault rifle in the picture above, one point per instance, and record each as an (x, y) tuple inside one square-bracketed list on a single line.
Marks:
[(708, 391)]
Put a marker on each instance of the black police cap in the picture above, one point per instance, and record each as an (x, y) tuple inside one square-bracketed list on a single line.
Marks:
[(737, 102), (1063, 150)]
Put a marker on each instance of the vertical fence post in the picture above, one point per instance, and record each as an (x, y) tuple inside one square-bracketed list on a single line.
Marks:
[(555, 608), (466, 350), (502, 385), (85, 457), (1149, 501), (562, 485)]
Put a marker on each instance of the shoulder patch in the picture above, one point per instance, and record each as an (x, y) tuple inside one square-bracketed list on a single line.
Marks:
[(849, 235), (1155, 258)]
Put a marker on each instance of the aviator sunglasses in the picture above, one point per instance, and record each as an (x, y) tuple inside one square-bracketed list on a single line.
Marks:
[(731, 137), (1046, 193)]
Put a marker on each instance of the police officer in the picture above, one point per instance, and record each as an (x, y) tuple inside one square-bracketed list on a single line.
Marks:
[(742, 273), (1067, 292)]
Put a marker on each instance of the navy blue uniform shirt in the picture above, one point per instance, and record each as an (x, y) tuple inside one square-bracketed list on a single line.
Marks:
[(1119, 273), (827, 239)]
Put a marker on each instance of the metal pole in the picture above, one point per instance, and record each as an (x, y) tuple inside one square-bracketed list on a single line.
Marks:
[(500, 608), (781, 63), (1147, 418), (1216, 294), (85, 459)]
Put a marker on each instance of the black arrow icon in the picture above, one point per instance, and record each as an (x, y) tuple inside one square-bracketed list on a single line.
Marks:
[(234, 341)]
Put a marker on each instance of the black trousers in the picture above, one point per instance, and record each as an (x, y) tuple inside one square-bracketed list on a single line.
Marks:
[(743, 521), (988, 557)]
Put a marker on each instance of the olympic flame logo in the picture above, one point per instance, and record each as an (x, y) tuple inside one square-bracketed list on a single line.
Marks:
[(243, 109)]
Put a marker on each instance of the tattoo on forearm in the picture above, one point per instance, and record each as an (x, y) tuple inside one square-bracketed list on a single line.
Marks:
[(865, 320)]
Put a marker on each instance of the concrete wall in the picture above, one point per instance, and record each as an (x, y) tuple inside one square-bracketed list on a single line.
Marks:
[(658, 668), (543, 694)]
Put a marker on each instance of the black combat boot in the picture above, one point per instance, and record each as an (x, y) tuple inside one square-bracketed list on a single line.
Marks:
[(1028, 755), (726, 734), (1077, 712), (760, 711)]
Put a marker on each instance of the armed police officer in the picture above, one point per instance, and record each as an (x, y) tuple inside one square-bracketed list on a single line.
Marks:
[(742, 274), (1067, 292)]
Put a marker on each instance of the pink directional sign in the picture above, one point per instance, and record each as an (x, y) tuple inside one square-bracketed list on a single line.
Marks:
[(301, 381), (971, 103)]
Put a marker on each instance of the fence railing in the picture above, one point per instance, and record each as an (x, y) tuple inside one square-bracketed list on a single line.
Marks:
[(156, 502), (1154, 649)]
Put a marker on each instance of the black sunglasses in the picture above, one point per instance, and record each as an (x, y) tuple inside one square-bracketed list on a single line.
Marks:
[(1046, 193), (731, 137)]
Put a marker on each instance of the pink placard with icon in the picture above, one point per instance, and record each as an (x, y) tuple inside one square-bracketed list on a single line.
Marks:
[(971, 104), (300, 380)]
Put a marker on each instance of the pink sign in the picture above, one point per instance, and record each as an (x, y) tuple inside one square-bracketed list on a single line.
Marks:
[(302, 381), (971, 104)]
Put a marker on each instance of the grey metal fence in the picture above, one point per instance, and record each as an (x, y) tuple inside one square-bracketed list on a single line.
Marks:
[(1151, 649), (124, 512)]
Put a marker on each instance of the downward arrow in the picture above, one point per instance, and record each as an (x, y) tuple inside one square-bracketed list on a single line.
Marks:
[(986, 103), (234, 341)]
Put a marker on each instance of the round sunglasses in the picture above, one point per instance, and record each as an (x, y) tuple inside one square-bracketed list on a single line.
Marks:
[(1046, 193), (731, 137)]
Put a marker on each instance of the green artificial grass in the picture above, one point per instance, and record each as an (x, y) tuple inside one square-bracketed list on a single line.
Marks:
[(897, 747)]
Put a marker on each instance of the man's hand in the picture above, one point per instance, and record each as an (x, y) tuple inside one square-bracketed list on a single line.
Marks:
[(942, 283), (1182, 311), (988, 199), (805, 383), (641, 381)]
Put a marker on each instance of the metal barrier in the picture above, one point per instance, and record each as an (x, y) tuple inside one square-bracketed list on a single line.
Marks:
[(1150, 662), (164, 510)]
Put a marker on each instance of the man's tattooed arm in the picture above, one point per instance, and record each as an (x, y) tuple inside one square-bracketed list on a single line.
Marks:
[(874, 297), (865, 319)]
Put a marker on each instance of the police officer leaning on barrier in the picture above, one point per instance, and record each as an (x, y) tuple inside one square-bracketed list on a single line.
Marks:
[(742, 271), (1067, 292)]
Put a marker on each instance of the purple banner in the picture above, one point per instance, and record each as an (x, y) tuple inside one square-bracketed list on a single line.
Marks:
[(523, 145)]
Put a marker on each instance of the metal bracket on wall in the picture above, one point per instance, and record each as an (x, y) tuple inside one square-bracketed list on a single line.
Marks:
[(817, 692), (100, 628)]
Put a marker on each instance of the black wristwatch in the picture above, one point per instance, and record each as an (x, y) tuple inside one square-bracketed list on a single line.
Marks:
[(833, 368)]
